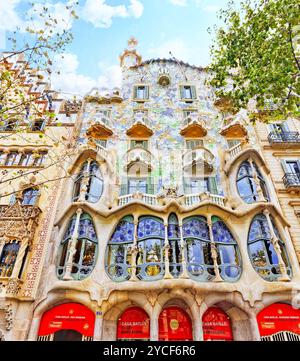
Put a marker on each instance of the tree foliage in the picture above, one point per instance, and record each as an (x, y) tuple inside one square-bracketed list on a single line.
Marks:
[(256, 58)]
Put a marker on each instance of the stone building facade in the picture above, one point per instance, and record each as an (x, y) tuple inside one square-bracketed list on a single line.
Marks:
[(178, 220)]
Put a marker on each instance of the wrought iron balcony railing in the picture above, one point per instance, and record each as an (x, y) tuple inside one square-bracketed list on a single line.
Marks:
[(290, 138), (291, 180)]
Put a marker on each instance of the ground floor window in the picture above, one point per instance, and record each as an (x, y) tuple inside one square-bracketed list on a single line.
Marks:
[(133, 324), (175, 325), (279, 322), (216, 325), (67, 322)]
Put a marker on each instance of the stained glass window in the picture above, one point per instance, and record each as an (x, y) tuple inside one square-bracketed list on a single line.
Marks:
[(151, 234), (246, 185), (86, 248), (30, 196), (261, 250), (118, 258), (94, 182), (175, 255), (8, 258)]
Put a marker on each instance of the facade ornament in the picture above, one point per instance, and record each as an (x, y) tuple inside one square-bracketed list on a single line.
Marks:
[(13, 287), (7, 308)]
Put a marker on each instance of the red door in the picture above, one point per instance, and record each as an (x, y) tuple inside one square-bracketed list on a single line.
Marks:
[(134, 324), (280, 322), (216, 325), (175, 325)]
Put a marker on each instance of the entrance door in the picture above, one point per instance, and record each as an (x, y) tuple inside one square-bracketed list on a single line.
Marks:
[(175, 325), (67, 335)]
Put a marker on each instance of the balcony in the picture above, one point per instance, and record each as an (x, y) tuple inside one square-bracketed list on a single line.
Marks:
[(193, 126), (187, 200), (140, 126), (199, 157), (292, 182), (138, 155), (100, 128), (284, 139)]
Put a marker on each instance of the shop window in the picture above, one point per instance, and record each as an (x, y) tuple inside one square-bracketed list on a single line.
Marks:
[(261, 249), (216, 325), (134, 324), (279, 322), (175, 325), (85, 256)]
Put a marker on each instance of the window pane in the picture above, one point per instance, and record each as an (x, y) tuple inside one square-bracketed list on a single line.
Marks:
[(89, 253), (257, 254)]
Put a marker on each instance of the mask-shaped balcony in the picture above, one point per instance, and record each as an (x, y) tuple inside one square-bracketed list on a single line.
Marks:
[(100, 128), (193, 127), (233, 128), (140, 126), (200, 158)]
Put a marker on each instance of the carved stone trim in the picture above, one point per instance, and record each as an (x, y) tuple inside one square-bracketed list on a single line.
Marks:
[(8, 316)]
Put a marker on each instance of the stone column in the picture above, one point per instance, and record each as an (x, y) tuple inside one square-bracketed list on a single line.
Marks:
[(20, 256), (214, 252), (184, 273), (85, 182), (167, 250), (284, 276), (98, 326), (261, 197), (154, 332), (34, 328), (134, 251), (198, 332), (254, 328), (72, 247)]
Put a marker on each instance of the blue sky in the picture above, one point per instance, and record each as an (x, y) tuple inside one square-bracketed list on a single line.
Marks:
[(104, 27)]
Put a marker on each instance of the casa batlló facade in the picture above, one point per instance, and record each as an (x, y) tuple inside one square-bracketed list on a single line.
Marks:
[(178, 220)]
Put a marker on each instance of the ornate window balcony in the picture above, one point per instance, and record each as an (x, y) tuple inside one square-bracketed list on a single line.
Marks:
[(100, 128), (284, 139), (292, 181), (138, 155), (193, 126), (198, 157), (140, 126)]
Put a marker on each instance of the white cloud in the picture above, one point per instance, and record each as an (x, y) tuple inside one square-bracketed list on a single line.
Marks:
[(177, 46), (211, 8), (101, 14), (179, 2), (9, 19), (71, 81)]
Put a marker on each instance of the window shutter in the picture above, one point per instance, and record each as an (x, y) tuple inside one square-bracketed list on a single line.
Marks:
[(212, 182), (284, 166), (146, 92), (187, 186), (150, 185), (193, 89), (135, 90), (124, 186), (182, 92)]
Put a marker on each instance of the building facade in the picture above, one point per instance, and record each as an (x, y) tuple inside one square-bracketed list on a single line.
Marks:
[(177, 220)]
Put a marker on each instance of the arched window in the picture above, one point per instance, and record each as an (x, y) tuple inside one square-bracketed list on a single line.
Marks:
[(150, 258), (261, 250), (198, 244), (175, 257), (228, 253), (8, 258), (91, 176), (246, 184), (118, 257), (198, 248), (30, 196), (86, 248)]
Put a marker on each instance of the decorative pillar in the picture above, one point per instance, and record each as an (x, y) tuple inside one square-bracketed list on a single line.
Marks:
[(214, 252), (20, 256), (134, 251), (98, 326), (85, 182), (154, 332), (261, 197), (184, 273), (167, 251), (72, 247), (254, 328), (284, 276)]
